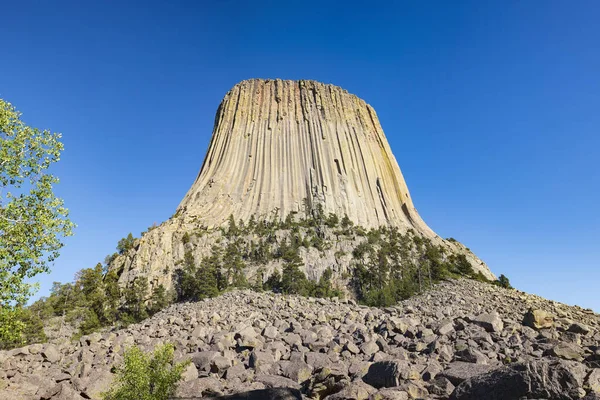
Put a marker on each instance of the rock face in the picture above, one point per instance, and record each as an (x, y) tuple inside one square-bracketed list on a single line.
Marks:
[(281, 147), (244, 343), (276, 143)]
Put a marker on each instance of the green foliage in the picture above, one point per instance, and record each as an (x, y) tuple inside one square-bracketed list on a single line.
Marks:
[(135, 298), (112, 295), (31, 328), (390, 266), (386, 267), (90, 322), (199, 282), (159, 299), (273, 283), (125, 244), (33, 220), (92, 287), (110, 258), (332, 220), (324, 287), (293, 281), (234, 266), (232, 228), (185, 239), (258, 280), (503, 282), (146, 377)]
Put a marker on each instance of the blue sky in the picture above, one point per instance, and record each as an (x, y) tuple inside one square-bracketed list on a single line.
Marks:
[(491, 109)]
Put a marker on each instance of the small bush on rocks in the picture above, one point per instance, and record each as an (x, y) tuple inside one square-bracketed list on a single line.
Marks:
[(146, 376)]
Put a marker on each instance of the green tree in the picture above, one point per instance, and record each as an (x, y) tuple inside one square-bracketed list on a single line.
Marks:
[(197, 283), (146, 377), (92, 286), (208, 276), (112, 294), (504, 282), (159, 299), (232, 228), (135, 300), (33, 221), (125, 244), (187, 277), (324, 287), (293, 280), (258, 280), (462, 265), (32, 329), (42, 308), (90, 323), (234, 266)]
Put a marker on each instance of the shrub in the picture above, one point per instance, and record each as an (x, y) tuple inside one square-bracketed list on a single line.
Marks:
[(185, 239), (503, 282), (146, 376)]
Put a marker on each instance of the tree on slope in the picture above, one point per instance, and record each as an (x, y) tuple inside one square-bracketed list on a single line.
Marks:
[(147, 376), (33, 220)]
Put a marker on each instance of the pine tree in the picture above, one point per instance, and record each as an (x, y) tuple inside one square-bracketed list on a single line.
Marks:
[(135, 297), (504, 282), (159, 299), (324, 288), (208, 277), (92, 287), (234, 266), (90, 322), (112, 295), (258, 280), (125, 244)]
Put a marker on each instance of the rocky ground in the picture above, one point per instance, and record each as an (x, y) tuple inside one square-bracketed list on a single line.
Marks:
[(461, 340)]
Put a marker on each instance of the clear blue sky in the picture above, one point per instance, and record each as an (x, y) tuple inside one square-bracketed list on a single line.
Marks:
[(491, 108)]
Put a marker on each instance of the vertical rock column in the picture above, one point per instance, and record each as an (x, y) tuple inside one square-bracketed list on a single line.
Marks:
[(276, 143)]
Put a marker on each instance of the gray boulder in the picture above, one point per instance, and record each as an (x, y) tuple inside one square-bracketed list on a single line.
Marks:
[(545, 379), (264, 394), (459, 371), (387, 373), (490, 322)]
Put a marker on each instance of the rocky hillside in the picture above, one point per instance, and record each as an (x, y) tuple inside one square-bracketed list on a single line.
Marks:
[(461, 340), (284, 148)]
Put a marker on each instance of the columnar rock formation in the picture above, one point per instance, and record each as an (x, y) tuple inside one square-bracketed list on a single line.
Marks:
[(277, 143), (280, 147)]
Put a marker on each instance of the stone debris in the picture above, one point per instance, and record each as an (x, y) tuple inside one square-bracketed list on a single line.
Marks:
[(462, 340)]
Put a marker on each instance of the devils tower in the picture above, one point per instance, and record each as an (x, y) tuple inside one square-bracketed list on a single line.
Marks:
[(277, 143), (281, 148)]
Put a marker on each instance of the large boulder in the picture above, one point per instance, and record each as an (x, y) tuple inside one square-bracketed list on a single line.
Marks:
[(264, 394), (543, 379), (199, 387), (538, 319), (460, 371), (490, 322), (387, 373)]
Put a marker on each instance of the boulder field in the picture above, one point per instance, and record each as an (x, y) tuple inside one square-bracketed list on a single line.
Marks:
[(461, 340)]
